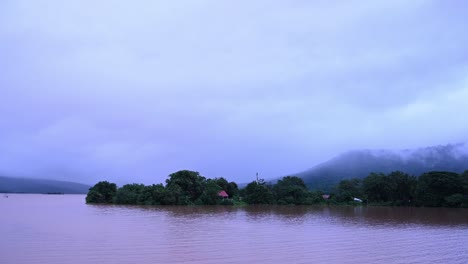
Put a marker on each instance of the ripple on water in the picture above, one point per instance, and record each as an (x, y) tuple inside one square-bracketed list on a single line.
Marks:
[(62, 229)]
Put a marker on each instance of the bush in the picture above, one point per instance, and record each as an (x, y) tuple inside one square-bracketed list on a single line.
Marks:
[(102, 192), (454, 200)]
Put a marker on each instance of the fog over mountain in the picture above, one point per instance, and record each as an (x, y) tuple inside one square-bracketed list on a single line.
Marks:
[(360, 163), (25, 185)]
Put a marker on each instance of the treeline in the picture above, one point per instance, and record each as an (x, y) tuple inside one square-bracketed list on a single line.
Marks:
[(185, 187), (431, 189), (182, 188), (190, 188)]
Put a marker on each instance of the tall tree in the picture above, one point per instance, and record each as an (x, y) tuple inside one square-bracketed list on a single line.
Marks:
[(102, 192), (210, 193), (403, 186), (434, 187), (376, 187), (291, 190), (349, 189), (258, 193), (190, 184), (130, 194)]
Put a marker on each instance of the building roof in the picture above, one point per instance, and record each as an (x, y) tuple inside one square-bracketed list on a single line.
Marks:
[(223, 194)]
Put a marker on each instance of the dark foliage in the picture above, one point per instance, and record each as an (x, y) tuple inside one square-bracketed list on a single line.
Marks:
[(291, 190), (440, 188), (437, 188), (258, 193), (102, 192)]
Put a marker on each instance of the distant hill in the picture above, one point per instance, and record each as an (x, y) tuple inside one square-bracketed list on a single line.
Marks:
[(25, 185), (360, 163)]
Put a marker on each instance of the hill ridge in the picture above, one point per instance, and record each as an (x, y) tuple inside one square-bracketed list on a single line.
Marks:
[(360, 163), (30, 185)]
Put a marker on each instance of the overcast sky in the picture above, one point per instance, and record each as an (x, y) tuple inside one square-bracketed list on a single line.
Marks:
[(131, 91)]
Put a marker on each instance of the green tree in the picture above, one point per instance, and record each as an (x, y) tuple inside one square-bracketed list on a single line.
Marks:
[(188, 186), (434, 187), (130, 194), (464, 180), (376, 187), (315, 197), (454, 200), (230, 187), (291, 190), (102, 192), (175, 195), (403, 187), (152, 195), (348, 189), (210, 193), (258, 193), (397, 187)]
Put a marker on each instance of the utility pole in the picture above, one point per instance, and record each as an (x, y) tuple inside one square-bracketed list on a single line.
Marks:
[(257, 177)]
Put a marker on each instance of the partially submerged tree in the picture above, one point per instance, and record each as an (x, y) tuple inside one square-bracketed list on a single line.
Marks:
[(102, 192), (291, 190), (258, 193), (348, 189), (188, 186), (434, 188)]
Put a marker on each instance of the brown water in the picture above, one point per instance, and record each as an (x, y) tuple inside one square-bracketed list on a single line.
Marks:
[(63, 229)]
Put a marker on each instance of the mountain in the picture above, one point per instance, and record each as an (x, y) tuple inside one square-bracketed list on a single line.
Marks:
[(360, 163), (25, 185)]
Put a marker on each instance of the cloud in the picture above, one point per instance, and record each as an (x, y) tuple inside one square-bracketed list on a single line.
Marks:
[(132, 92)]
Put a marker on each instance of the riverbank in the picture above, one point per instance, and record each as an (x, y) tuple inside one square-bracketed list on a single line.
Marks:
[(432, 189)]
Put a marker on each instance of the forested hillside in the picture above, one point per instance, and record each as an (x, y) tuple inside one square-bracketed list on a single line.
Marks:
[(360, 163)]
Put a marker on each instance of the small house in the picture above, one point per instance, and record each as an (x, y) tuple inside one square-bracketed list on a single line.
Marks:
[(223, 194), (326, 196)]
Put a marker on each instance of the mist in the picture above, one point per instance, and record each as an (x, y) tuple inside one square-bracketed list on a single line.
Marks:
[(131, 92)]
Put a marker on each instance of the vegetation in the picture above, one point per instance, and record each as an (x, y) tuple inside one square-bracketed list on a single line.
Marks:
[(432, 189), (360, 163), (102, 192), (258, 193), (440, 189), (182, 188)]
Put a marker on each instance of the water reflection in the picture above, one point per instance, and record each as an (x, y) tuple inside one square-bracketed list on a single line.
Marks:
[(400, 215), (63, 229), (344, 214)]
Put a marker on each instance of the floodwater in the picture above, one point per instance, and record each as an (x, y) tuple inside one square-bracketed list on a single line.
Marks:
[(63, 229)]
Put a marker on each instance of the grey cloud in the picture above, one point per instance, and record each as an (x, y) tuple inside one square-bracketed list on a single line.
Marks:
[(131, 92)]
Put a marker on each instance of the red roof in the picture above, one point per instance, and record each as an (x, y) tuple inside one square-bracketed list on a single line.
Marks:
[(223, 194)]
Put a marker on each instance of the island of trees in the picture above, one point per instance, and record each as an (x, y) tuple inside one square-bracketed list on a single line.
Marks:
[(431, 189)]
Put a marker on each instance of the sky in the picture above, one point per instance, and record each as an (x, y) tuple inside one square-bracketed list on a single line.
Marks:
[(131, 91)]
